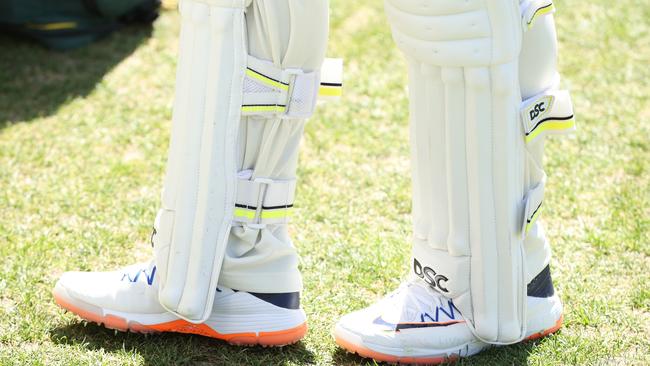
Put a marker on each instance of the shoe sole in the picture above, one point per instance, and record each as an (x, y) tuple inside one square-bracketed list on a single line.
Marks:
[(265, 339), (431, 360)]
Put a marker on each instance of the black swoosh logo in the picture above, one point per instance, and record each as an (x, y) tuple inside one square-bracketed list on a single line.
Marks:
[(399, 326)]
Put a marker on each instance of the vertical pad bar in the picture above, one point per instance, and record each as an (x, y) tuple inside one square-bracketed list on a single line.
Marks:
[(193, 225), (458, 238), (427, 131), (508, 175), (482, 216)]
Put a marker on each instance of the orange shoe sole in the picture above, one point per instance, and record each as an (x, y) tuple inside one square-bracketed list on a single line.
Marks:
[(544, 333), (265, 339), (383, 357)]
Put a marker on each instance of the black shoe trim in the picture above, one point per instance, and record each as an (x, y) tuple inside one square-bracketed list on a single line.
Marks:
[(542, 284), (287, 300)]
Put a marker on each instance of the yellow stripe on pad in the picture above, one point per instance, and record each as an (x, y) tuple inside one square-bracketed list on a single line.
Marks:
[(551, 126), (330, 91), (265, 79), (276, 214), (540, 12), (245, 213), (263, 108), (249, 214), (530, 224)]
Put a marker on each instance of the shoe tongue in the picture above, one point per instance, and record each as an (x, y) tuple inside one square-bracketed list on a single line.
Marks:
[(405, 304), (412, 301)]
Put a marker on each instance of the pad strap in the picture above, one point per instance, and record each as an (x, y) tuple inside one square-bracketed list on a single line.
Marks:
[(288, 93), (263, 201), (531, 10), (532, 206), (548, 112)]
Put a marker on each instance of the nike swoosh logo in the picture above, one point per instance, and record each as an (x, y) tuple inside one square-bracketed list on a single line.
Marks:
[(399, 326)]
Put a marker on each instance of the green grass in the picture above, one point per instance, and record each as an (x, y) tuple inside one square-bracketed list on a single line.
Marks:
[(83, 139)]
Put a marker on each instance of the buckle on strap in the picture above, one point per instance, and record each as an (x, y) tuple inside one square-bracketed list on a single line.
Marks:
[(531, 10), (532, 206), (264, 201), (289, 93), (548, 112)]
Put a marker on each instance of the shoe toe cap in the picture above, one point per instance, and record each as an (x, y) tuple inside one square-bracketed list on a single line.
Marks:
[(106, 290), (369, 329)]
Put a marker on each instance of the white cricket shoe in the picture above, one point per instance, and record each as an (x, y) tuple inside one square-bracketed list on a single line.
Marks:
[(127, 299), (417, 325)]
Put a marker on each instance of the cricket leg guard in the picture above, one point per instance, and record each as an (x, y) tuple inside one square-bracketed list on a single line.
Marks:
[(428, 319), (474, 199), (468, 157), (248, 76)]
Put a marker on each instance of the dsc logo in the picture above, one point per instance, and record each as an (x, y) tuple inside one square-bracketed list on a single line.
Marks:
[(429, 276), (537, 110)]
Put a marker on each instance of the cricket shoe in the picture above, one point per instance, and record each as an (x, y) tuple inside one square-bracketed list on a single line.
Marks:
[(417, 325), (127, 300)]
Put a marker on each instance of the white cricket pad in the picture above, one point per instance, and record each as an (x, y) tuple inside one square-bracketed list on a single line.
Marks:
[(219, 87), (199, 193), (471, 203)]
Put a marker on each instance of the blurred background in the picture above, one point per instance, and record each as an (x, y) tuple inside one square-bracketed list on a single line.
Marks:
[(85, 110)]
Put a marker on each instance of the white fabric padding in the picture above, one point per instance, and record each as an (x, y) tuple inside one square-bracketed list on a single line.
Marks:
[(468, 155), (215, 226), (199, 190), (478, 182)]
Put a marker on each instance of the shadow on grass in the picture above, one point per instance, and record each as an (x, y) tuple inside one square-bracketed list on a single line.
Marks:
[(174, 348), (36, 81), (507, 355)]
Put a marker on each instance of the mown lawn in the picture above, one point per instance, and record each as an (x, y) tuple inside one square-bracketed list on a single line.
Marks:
[(83, 139)]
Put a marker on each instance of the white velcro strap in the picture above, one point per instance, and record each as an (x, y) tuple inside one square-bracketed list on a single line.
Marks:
[(531, 10), (264, 201), (548, 112), (302, 94), (533, 205), (288, 93), (331, 79)]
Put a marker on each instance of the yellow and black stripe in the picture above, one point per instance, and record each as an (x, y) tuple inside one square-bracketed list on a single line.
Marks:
[(531, 220), (264, 108), (546, 9), (268, 212), (330, 89), (550, 124), (266, 79)]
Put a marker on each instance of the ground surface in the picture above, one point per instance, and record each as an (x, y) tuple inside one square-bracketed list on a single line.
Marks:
[(83, 138)]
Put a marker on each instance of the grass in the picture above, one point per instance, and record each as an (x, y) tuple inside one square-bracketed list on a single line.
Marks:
[(83, 139)]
